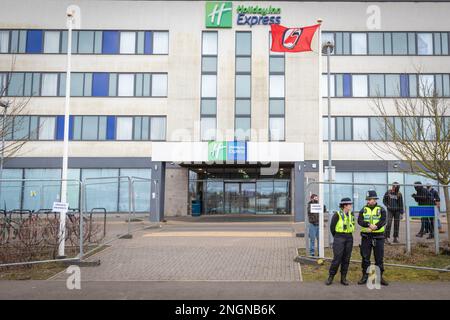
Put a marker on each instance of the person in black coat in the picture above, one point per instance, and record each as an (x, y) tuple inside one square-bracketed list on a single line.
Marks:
[(424, 198), (393, 200)]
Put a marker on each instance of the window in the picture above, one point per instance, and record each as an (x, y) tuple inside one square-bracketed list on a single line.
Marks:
[(209, 43), (86, 42), (359, 43), (4, 41), (126, 85), (399, 43), (110, 43), (425, 43), (392, 85), (376, 85), (325, 128), (15, 86), (377, 128), (243, 107), (343, 128), (376, 43), (325, 85), (159, 85), (21, 127), (359, 85), (49, 84), (209, 64), (243, 43), (158, 128), (242, 128), (208, 129), (46, 128), (243, 64), (208, 86), (34, 41), (127, 42), (124, 128), (51, 41), (276, 107), (360, 129), (426, 85), (276, 86), (243, 87), (276, 129), (208, 107), (160, 42), (89, 128), (77, 84), (276, 64)]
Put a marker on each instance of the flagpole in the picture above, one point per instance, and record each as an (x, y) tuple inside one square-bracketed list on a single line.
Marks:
[(320, 142)]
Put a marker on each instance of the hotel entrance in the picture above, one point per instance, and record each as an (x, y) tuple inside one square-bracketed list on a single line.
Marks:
[(224, 190)]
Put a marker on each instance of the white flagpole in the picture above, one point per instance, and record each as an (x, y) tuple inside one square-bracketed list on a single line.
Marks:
[(320, 142)]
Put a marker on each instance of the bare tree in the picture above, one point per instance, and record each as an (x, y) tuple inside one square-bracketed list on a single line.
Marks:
[(12, 120), (418, 133)]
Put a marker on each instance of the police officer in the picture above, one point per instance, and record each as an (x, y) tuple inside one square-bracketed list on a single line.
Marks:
[(372, 219), (342, 227)]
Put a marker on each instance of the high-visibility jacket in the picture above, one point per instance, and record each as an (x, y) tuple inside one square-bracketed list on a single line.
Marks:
[(346, 222), (372, 216)]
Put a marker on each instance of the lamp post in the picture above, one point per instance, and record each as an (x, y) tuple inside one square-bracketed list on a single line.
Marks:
[(327, 49), (73, 22)]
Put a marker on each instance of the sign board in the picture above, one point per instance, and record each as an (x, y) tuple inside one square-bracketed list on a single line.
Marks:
[(219, 14), (422, 212), (60, 207), (316, 208)]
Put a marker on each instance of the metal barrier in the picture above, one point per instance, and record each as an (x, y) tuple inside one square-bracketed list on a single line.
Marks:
[(388, 198), (31, 236), (84, 232)]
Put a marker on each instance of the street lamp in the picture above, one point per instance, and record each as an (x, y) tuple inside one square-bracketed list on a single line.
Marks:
[(327, 49), (73, 16)]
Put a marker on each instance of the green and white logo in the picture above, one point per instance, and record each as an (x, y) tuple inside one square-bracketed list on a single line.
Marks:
[(217, 151), (219, 14)]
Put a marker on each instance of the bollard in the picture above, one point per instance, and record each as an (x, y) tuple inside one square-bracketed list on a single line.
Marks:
[(436, 230)]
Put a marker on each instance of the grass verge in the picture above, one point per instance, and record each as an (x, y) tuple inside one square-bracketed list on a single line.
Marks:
[(421, 255), (41, 271)]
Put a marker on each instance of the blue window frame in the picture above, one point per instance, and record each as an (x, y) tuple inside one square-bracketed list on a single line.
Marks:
[(100, 84), (110, 128), (110, 42), (34, 41), (404, 85), (148, 45), (59, 127), (347, 85)]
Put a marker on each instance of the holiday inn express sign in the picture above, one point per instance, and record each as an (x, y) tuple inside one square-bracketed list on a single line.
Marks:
[(219, 14)]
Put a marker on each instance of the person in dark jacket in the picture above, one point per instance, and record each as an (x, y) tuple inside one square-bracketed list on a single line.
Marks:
[(424, 198), (372, 219), (393, 200), (313, 218), (437, 202), (342, 227)]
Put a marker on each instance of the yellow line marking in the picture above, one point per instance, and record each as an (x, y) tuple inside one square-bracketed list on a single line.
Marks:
[(238, 234)]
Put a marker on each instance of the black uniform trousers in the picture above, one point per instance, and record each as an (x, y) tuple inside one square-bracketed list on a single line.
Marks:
[(342, 252), (371, 242)]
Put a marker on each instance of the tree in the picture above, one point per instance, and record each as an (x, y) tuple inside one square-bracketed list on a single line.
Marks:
[(417, 131), (12, 119)]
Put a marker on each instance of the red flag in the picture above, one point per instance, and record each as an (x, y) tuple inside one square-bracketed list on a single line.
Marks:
[(292, 39)]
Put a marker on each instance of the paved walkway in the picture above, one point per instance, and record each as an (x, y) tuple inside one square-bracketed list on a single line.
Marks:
[(213, 290), (180, 251)]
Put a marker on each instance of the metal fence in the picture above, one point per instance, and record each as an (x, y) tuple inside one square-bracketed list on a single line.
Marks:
[(30, 232), (413, 211)]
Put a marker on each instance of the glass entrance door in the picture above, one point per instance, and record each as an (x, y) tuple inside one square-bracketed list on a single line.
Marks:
[(240, 197)]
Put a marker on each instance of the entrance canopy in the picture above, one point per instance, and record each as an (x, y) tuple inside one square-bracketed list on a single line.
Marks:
[(227, 151)]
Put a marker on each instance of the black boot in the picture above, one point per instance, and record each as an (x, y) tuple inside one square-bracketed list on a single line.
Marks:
[(383, 282), (344, 280), (364, 279), (329, 280)]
